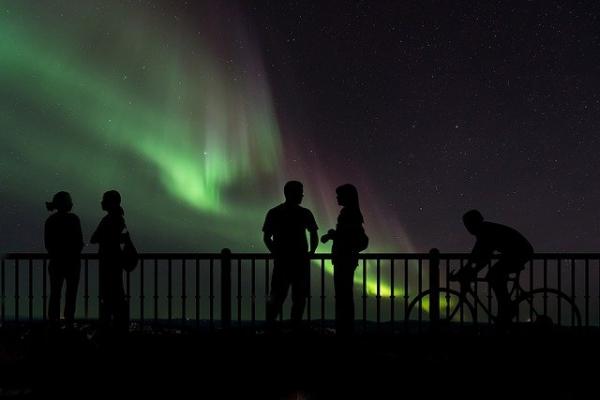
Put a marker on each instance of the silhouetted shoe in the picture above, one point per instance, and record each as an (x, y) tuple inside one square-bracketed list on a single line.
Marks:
[(329, 332)]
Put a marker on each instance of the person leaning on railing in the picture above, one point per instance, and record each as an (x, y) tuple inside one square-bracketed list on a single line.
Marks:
[(63, 241), (109, 236)]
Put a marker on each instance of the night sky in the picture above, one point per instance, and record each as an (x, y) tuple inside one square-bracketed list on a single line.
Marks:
[(199, 112)]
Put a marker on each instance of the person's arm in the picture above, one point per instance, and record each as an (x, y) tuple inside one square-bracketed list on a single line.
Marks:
[(48, 237), (124, 233), (268, 232), (480, 256), (98, 234), (268, 239), (330, 235), (475, 263), (314, 241), (79, 235)]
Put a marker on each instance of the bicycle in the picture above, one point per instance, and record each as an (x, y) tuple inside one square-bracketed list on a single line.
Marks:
[(537, 305)]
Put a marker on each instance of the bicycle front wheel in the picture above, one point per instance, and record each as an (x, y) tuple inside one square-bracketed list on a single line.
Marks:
[(547, 307), (453, 307)]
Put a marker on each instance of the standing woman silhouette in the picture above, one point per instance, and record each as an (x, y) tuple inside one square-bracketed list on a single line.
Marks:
[(109, 235), (64, 242), (345, 249)]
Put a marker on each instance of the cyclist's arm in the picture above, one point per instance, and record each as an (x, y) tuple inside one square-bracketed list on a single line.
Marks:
[(480, 256)]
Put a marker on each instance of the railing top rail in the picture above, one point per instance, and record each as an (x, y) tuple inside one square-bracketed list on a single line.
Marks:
[(318, 256)]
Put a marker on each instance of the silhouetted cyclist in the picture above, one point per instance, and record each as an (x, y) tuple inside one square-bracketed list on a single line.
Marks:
[(514, 251), (285, 236)]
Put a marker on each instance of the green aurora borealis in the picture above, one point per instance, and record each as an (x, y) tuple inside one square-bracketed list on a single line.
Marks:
[(142, 113), (179, 119)]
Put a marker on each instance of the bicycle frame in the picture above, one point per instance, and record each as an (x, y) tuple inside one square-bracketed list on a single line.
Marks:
[(535, 300), (470, 287)]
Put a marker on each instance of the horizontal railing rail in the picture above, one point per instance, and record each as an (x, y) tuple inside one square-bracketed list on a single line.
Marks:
[(210, 290)]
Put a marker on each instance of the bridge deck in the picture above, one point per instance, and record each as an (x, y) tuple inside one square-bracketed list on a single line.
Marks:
[(37, 361)]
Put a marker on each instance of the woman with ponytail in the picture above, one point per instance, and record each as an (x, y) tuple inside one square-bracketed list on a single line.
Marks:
[(109, 236), (64, 241)]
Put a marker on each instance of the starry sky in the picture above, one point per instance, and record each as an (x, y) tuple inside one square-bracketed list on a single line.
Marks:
[(448, 106), (198, 112)]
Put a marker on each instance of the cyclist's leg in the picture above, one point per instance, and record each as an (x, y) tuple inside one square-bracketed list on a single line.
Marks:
[(498, 279)]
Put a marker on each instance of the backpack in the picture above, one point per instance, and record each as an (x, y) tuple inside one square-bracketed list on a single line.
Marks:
[(362, 241), (129, 255)]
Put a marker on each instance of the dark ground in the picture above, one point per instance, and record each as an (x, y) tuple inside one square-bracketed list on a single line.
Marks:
[(38, 362)]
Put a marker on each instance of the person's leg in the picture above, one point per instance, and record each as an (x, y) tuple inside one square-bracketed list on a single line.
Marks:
[(280, 283), (104, 309), (111, 289), (121, 314), (343, 275), (72, 278), (56, 283), (300, 285), (120, 306), (351, 298), (498, 279)]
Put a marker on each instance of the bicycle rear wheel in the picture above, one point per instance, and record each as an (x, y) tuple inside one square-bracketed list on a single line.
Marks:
[(547, 308), (453, 307)]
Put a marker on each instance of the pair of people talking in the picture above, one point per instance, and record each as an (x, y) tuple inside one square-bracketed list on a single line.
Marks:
[(284, 232)]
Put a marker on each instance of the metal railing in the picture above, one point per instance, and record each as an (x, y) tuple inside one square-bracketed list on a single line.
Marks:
[(213, 290)]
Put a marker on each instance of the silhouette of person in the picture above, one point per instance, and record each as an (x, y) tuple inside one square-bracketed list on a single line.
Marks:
[(345, 249), (514, 251), (109, 235), (64, 241), (284, 234)]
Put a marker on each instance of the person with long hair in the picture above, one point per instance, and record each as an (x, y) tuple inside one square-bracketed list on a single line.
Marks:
[(64, 241), (348, 240), (109, 235)]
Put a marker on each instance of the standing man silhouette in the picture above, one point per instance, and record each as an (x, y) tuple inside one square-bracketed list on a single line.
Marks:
[(285, 236)]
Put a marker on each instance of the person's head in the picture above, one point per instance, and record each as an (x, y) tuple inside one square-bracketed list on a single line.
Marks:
[(294, 192), (347, 196), (61, 202), (111, 202), (473, 220)]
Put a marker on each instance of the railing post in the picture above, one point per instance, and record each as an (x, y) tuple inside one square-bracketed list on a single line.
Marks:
[(434, 286), (226, 288)]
